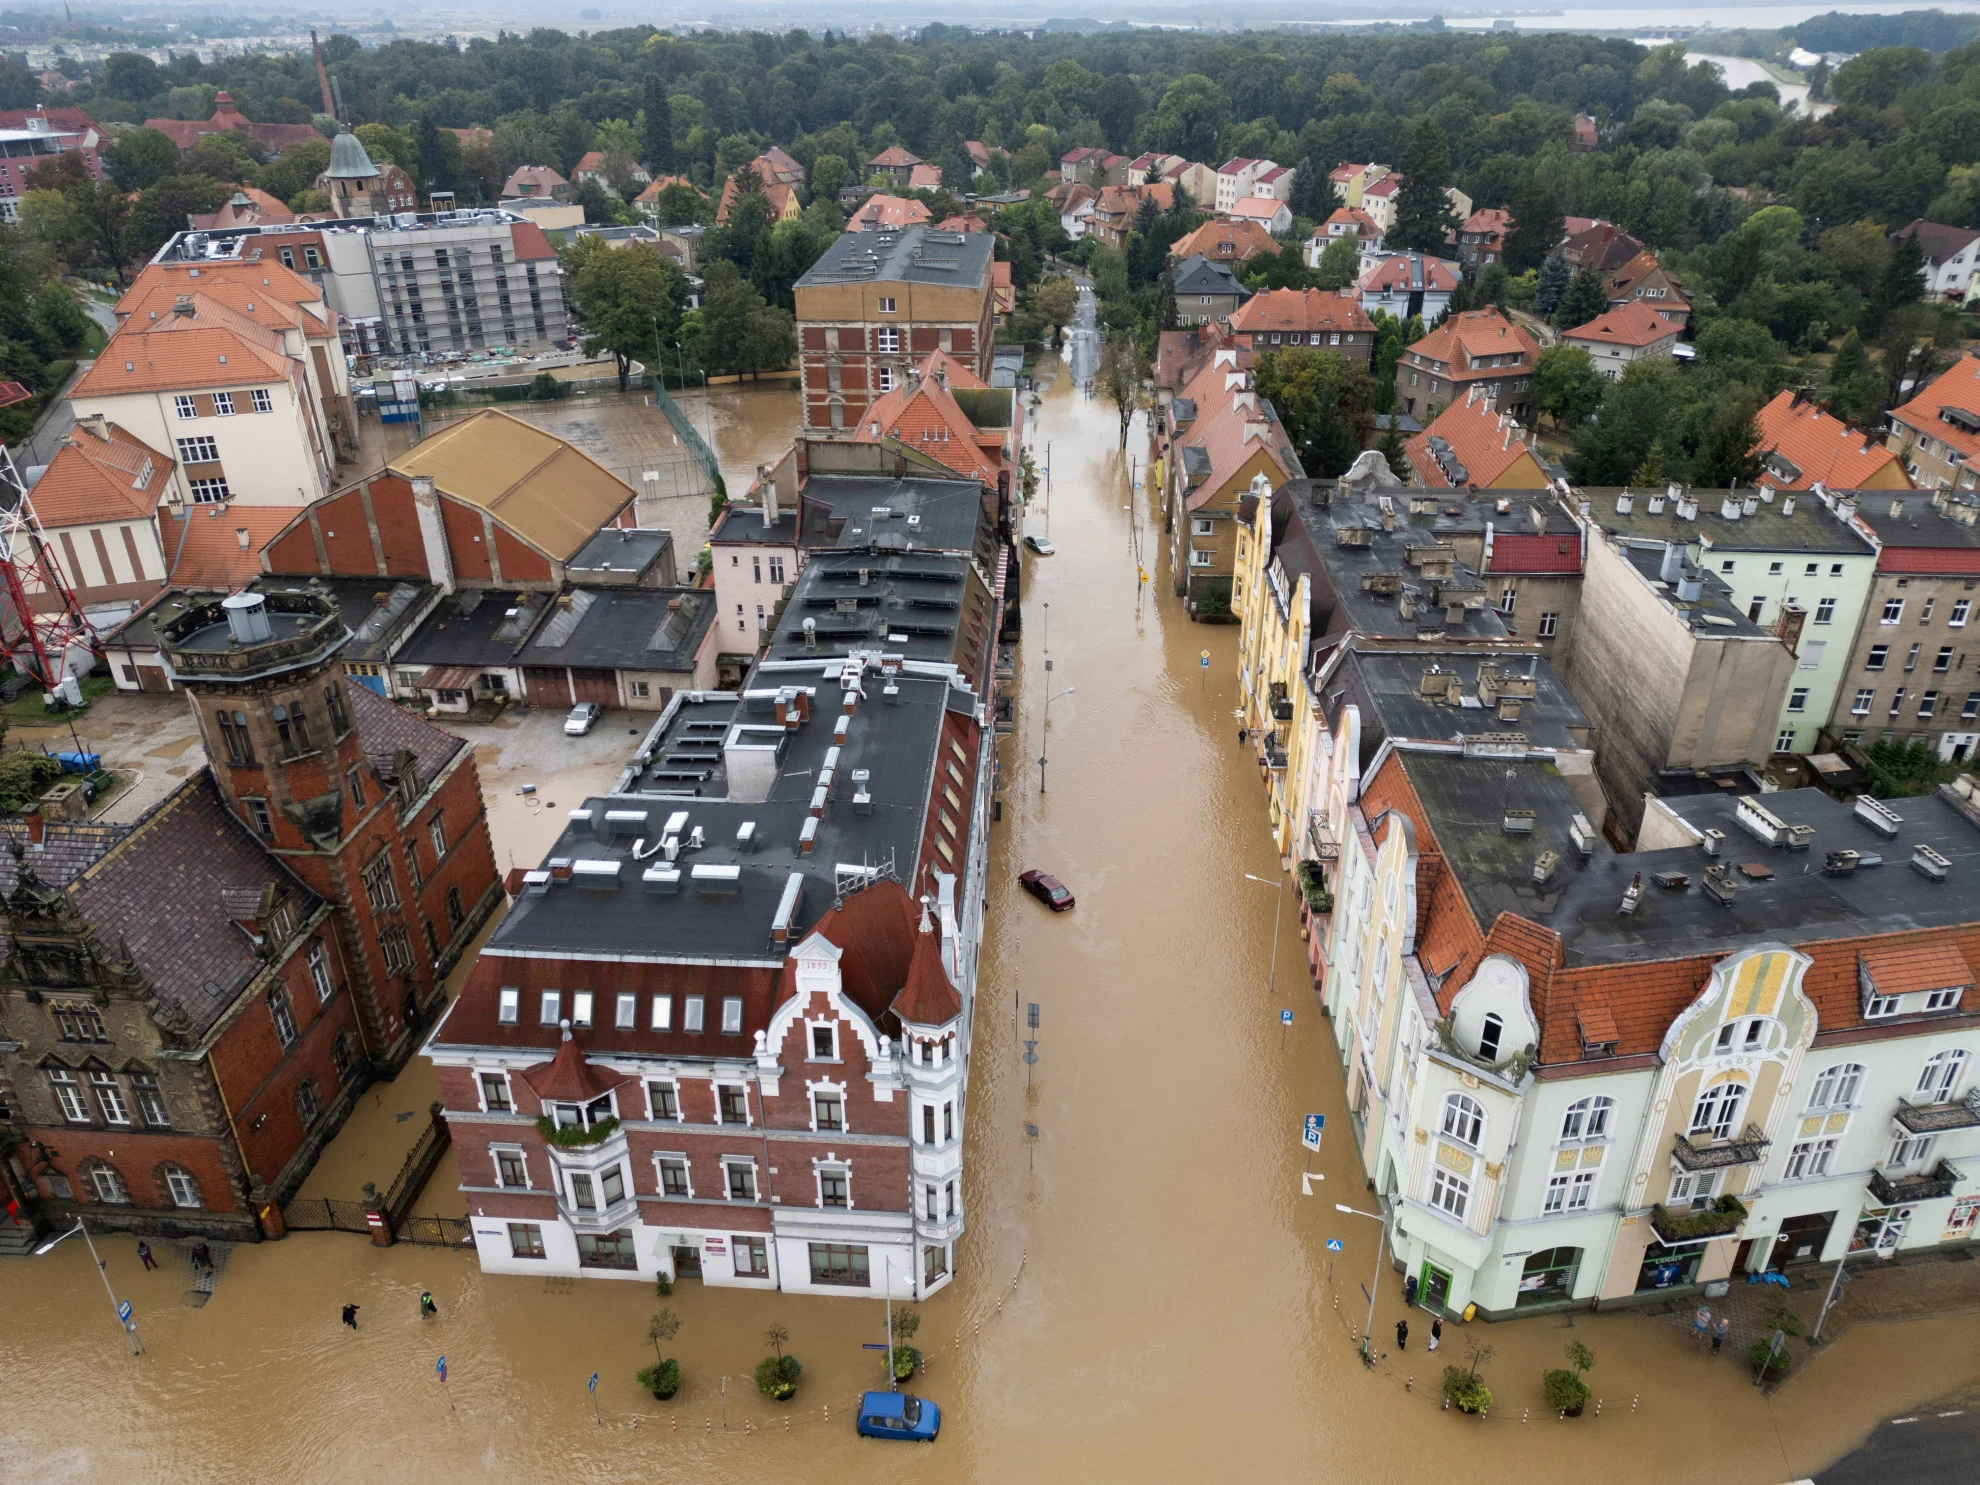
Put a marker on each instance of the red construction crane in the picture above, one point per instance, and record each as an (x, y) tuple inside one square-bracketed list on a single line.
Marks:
[(41, 624)]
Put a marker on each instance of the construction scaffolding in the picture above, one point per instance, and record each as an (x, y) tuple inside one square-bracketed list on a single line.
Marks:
[(41, 624)]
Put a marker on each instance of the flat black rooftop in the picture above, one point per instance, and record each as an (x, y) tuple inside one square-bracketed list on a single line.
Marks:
[(1362, 543), (376, 610), (618, 549), (1389, 687), (906, 255), (1466, 799), (916, 513), (1713, 615), (1916, 521), (707, 747), (917, 605), (624, 629), (1766, 527), (476, 626), (745, 523)]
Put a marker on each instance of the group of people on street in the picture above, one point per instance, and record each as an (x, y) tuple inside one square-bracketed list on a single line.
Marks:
[(1402, 1326), (428, 1310), (1703, 1326), (202, 1257)]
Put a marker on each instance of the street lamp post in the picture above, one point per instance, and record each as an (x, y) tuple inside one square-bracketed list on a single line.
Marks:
[(1279, 906), (129, 1327), (1043, 741), (1375, 1285)]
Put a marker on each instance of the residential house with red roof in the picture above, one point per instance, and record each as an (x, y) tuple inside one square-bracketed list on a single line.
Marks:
[(1345, 221), (779, 198), (591, 166), (884, 213), (1474, 348), (1378, 199), (647, 202), (1618, 338), (1585, 136), (1643, 280), (536, 183), (1481, 237), (1470, 446), (249, 206), (896, 163), (1351, 180), (97, 503), (1274, 216), (980, 154), (33, 134), (1315, 318), (935, 412), (1226, 441), (1805, 447), (1227, 242), (270, 139), (1407, 284), (1237, 179), (1912, 673), (1937, 432), (1600, 245)]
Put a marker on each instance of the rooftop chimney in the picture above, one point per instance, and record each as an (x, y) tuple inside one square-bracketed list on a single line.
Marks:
[(1624, 503)]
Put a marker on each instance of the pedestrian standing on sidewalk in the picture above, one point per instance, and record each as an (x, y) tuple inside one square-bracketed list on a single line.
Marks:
[(1436, 1333), (1701, 1323), (1402, 1335), (144, 1255), (350, 1316), (1409, 1291), (1720, 1332)]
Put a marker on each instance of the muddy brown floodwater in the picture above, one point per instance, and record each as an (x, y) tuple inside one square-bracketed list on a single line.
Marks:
[(1151, 1302)]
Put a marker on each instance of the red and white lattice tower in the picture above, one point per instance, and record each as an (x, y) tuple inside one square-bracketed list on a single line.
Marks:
[(41, 624)]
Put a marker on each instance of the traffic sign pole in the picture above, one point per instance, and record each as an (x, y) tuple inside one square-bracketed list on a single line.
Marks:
[(592, 1387), (1285, 1025), (1203, 666)]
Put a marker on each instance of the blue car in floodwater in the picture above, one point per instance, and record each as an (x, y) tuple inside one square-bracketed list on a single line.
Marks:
[(898, 1415)]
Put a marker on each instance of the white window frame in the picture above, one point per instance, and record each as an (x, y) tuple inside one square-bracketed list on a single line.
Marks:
[(835, 1091), (481, 1080), (1450, 1193), (549, 1008), (260, 400), (318, 959), (1694, 1187), (1836, 1087), (509, 1005), (1810, 1160), (672, 1087), (581, 1007), (625, 1012), (1798, 699), (1943, 1000), (1463, 1120), (1940, 1077), (664, 1158), (1549, 623), (185, 407), (1893, 611), (1910, 1150), (1825, 611), (694, 1016), (732, 1015), (184, 1187), (811, 1030), (840, 1168), (110, 1098), (223, 404), (495, 1154), (663, 1013), (1586, 1120), (1717, 1111), (1881, 1007)]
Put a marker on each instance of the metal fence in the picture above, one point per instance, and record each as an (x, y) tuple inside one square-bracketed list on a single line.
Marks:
[(325, 1214), (689, 435), (420, 1160), (438, 1232)]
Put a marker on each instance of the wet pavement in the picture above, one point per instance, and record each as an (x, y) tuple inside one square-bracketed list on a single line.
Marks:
[(1145, 1295)]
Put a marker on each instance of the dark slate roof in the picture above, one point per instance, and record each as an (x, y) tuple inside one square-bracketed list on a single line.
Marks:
[(908, 255), (1466, 799), (917, 512), (67, 849), (619, 549), (476, 626), (1766, 528), (624, 629), (1917, 523), (1388, 685), (745, 523), (173, 890), (922, 605), (1715, 614), (385, 730), (1198, 275), (377, 611)]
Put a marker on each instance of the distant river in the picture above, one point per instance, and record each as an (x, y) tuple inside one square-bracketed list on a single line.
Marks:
[(1649, 19)]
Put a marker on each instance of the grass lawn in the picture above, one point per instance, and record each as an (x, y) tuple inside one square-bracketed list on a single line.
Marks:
[(26, 710)]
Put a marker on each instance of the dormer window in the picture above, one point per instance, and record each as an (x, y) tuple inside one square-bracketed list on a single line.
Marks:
[(1489, 1036)]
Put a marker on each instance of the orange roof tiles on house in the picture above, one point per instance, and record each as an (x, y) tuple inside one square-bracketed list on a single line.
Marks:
[(1475, 334), (530, 242), (1483, 443), (921, 414), (924, 178), (219, 546), (178, 354), (1906, 968), (1525, 553), (928, 998), (962, 221), (227, 118), (271, 296), (1230, 434), (1957, 389), (569, 1078), (1622, 283), (882, 210), (1301, 311), (1225, 242), (1490, 222), (1003, 295), (101, 473), (1439, 276), (1351, 221), (535, 182), (249, 206), (660, 183), (1817, 447), (894, 157), (1633, 324)]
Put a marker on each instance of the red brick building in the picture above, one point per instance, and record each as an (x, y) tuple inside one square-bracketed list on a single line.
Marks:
[(879, 301), (192, 1004)]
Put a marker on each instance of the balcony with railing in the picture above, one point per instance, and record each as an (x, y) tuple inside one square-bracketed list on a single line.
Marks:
[(1897, 1188), (1676, 1225), (1935, 1118), (1322, 843), (1748, 1148)]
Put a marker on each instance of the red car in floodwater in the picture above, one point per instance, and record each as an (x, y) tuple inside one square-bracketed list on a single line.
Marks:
[(1048, 890)]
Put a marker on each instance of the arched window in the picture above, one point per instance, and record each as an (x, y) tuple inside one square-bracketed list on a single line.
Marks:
[(1940, 1076), (178, 1185), (1835, 1087), (106, 1183), (340, 1056), (1463, 1119), (1489, 1037), (1716, 1115), (234, 734), (1587, 1119)]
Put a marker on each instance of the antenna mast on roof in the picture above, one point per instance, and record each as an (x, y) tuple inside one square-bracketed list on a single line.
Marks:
[(40, 620)]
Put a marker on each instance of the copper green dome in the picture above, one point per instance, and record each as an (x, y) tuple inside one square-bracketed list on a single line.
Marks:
[(348, 160)]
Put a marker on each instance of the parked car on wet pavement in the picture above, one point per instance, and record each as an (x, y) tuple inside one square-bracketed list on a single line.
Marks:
[(582, 718)]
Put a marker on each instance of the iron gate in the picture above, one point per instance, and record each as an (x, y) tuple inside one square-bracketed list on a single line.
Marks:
[(438, 1232), (325, 1214)]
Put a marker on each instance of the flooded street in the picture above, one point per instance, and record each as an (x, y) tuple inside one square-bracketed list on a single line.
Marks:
[(1143, 1296)]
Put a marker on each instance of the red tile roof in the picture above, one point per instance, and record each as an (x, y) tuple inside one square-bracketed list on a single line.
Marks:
[(1246, 238), (186, 133), (273, 297), (1302, 311), (888, 211), (1484, 442), (1822, 447), (1475, 334), (1523, 553), (542, 177), (1957, 388), (95, 477), (928, 998), (1439, 276), (529, 241), (182, 354), (1492, 221), (894, 157), (568, 1078), (1929, 559), (219, 546), (1364, 226), (1634, 324), (921, 415), (1908, 966)]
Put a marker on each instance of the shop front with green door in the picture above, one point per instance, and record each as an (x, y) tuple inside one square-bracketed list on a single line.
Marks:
[(1433, 1288)]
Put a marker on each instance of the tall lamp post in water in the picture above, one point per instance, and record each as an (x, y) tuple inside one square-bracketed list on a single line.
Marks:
[(1279, 906), (1375, 1284), (129, 1327), (1042, 739)]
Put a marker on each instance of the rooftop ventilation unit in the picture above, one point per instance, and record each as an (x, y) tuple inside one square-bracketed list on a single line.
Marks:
[(1543, 866), (1632, 895), (1878, 817), (661, 879), (1691, 585), (713, 877), (1624, 502), (1517, 822), (1928, 863), (1840, 863), (746, 837), (808, 835), (1582, 834), (1799, 837), (592, 871), (1761, 821), (818, 797), (787, 908), (1671, 881), (536, 883), (1718, 884), (1714, 839)]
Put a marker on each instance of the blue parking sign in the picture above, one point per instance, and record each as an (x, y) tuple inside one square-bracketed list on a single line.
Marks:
[(1310, 1134), (1285, 1018)]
